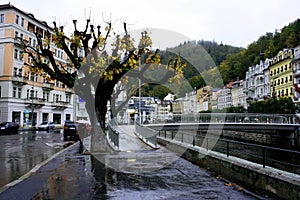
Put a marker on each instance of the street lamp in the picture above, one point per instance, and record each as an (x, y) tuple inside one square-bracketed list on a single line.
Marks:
[(32, 107)]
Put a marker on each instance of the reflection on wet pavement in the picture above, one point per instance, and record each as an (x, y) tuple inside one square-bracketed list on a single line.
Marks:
[(84, 177), (21, 152)]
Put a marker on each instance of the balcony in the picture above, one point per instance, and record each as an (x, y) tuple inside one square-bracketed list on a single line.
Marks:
[(296, 72), (35, 102), (19, 80), (48, 86), (60, 105)]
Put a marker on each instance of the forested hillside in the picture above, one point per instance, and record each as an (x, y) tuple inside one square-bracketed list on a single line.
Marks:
[(210, 58), (233, 62), (236, 65)]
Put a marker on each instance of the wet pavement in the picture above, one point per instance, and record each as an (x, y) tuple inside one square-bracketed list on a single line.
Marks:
[(136, 172), (128, 140), (21, 152), (73, 175)]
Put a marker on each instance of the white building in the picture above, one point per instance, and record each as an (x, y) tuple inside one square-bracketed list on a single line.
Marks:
[(257, 82), (296, 68), (224, 98), (189, 103), (24, 95), (238, 94)]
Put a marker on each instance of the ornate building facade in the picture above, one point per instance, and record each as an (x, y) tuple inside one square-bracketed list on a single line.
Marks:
[(257, 83), (27, 97), (281, 74)]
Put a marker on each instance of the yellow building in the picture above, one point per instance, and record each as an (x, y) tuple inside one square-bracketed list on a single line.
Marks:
[(281, 74), (27, 97)]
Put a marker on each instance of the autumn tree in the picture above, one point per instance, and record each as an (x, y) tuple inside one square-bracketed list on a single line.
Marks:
[(96, 69)]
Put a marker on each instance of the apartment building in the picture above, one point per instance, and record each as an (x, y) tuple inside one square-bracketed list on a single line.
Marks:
[(26, 96), (281, 74), (296, 71), (224, 98), (238, 94), (257, 82)]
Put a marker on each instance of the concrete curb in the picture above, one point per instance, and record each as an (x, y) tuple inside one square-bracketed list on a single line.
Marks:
[(35, 169)]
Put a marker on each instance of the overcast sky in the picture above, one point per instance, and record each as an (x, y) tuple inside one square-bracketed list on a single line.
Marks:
[(234, 22)]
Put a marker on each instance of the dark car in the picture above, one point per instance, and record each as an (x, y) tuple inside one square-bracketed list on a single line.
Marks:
[(46, 126), (9, 128), (70, 131)]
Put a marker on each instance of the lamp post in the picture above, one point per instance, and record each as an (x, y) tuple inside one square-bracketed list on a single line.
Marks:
[(274, 98), (32, 107)]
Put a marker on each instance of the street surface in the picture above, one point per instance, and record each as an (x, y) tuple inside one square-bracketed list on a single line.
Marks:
[(19, 153)]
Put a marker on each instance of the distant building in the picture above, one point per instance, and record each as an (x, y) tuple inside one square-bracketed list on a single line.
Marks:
[(281, 74), (257, 82), (204, 98), (296, 70), (238, 94), (26, 97), (144, 107), (189, 104), (224, 98)]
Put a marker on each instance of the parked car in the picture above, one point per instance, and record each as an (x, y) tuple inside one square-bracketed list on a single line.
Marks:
[(9, 128), (46, 126), (70, 131)]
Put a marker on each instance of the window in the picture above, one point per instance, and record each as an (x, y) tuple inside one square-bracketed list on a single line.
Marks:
[(68, 98), (16, 54), (20, 72), (27, 94), (16, 34), (57, 118), (22, 21), (29, 41), (16, 92), (29, 75), (1, 18), (17, 19), (15, 71), (19, 92), (32, 77)]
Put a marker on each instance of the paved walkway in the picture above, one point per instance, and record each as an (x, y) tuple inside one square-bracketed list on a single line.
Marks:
[(136, 172), (128, 141)]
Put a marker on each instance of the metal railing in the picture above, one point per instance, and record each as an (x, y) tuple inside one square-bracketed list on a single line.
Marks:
[(228, 118), (146, 133), (284, 159), (112, 133)]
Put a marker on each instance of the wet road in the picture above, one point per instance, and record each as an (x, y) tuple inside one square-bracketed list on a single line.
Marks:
[(21, 152), (72, 175)]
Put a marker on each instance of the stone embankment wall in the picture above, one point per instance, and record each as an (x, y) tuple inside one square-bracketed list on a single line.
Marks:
[(283, 184)]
